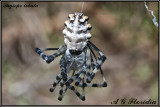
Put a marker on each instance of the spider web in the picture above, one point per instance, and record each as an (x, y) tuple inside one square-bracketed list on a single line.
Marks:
[(152, 13)]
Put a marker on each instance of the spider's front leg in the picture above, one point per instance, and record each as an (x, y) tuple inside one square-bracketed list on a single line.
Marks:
[(49, 58)]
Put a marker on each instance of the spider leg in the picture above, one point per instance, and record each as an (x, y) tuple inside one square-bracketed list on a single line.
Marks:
[(62, 75), (81, 73), (61, 90), (62, 93), (92, 61), (81, 76), (50, 58), (99, 61), (56, 82), (74, 77), (83, 88), (104, 84), (93, 66), (68, 84), (90, 64), (82, 97), (101, 58), (47, 49), (63, 65), (76, 92), (88, 76), (92, 85)]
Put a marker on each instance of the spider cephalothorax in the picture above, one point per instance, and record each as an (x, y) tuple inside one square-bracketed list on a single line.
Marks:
[(77, 57), (76, 32)]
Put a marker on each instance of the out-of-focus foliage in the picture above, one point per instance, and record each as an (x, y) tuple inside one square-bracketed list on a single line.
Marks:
[(124, 31)]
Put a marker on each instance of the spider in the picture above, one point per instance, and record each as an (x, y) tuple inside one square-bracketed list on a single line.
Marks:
[(77, 57)]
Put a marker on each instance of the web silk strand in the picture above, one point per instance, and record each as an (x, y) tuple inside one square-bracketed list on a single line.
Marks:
[(154, 19), (82, 7)]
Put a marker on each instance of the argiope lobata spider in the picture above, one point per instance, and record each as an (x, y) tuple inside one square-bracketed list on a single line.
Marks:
[(77, 56)]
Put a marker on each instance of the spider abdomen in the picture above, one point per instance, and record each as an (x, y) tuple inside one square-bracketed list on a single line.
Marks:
[(76, 32)]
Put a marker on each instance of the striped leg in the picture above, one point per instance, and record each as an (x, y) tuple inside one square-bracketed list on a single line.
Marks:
[(93, 85), (104, 84), (90, 63), (83, 89), (62, 93), (50, 58), (104, 80), (74, 77), (82, 97), (61, 90), (81, 76), (91, 58), (101, 58), (95, 67), (68, 84), (57, 80), (88, 76), (76, 92), (87, 68), (62, 75), (63, 65)]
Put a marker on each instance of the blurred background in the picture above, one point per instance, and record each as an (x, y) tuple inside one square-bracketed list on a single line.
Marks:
[(124, 31)]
